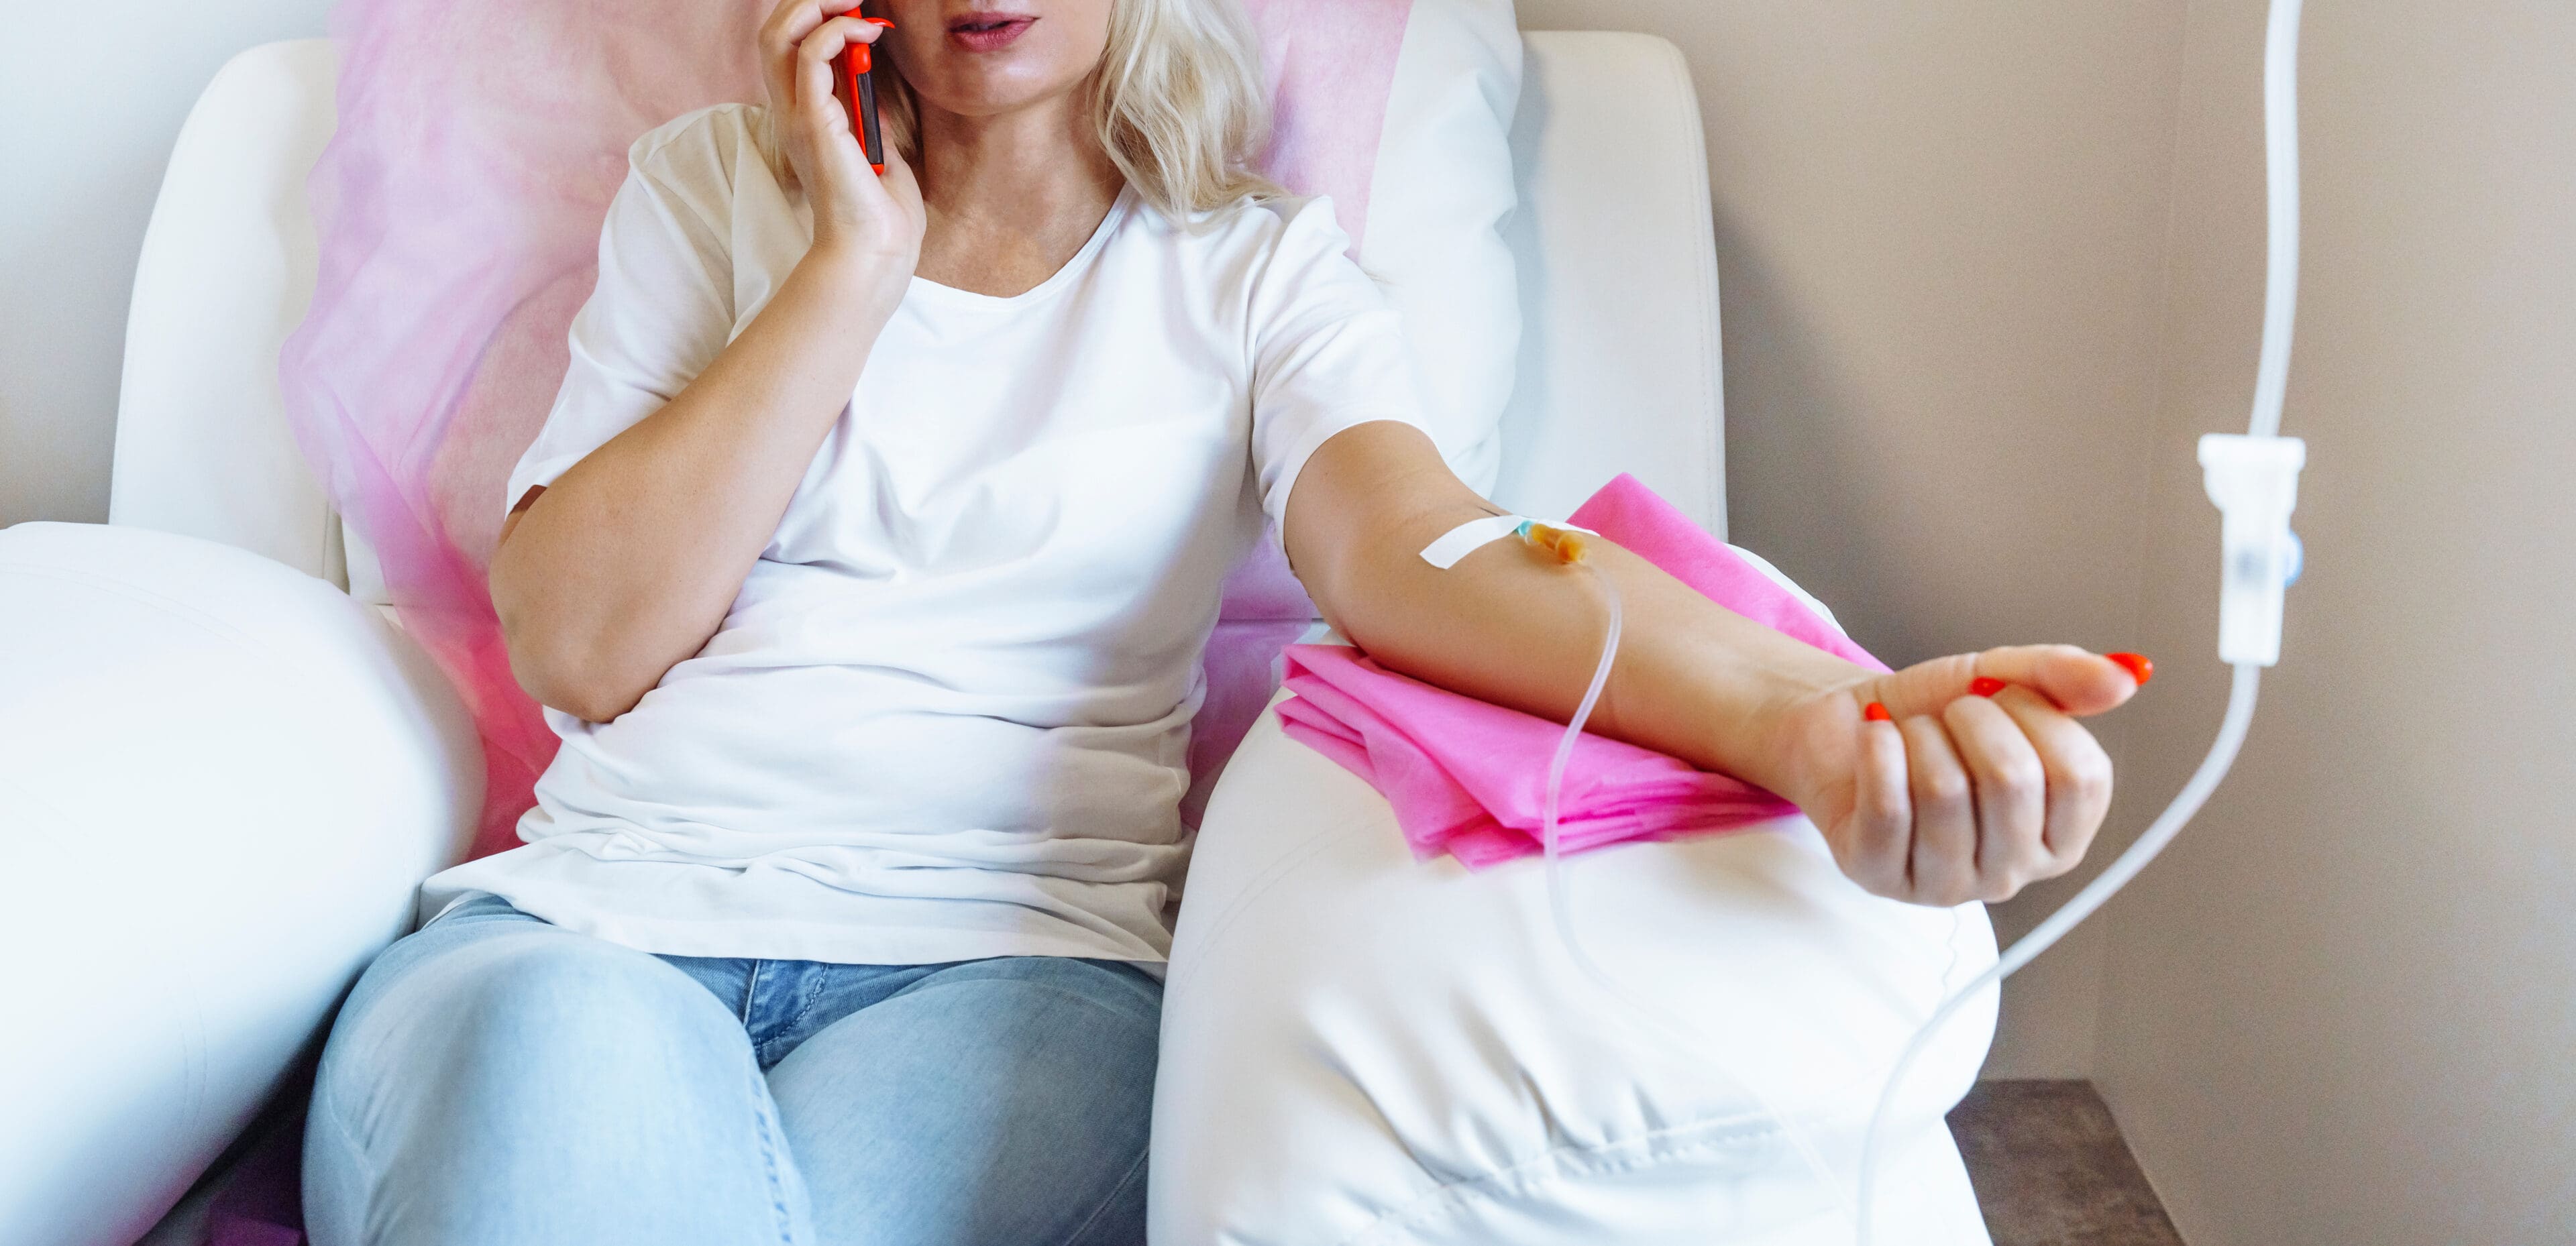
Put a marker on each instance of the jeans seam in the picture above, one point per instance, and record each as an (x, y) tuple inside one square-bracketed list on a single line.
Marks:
[(769, 1158), (366, 1163), (750, 992), (1149, 1020), (809, 994), (1133, 1170)]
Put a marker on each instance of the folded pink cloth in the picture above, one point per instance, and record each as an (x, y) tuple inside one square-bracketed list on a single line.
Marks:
[(1468, 778)]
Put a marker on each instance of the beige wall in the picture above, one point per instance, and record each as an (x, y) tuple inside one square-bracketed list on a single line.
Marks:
[(1941, 232), (2343, 1010)]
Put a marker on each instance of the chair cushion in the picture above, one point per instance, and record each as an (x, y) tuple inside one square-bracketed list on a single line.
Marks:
[(1363, 1048), (220, 780)]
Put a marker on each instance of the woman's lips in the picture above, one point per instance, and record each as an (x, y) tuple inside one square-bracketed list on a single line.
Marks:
[(988, 32)]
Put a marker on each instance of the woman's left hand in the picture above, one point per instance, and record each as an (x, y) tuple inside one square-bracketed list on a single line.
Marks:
[(1967, 791)]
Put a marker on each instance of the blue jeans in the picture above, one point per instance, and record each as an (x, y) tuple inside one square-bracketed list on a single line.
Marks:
[(496, 1080)]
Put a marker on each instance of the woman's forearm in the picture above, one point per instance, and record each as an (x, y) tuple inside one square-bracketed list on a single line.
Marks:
[(1511, 625), (628, 562)]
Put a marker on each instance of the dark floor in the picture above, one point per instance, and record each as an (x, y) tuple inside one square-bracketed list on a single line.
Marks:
[(2051, 1170)]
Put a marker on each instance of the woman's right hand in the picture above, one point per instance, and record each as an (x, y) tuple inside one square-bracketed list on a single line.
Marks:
[(874, 220)]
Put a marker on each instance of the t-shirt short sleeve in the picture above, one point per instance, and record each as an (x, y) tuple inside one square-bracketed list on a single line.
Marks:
[(663, 308), (1328, 353)]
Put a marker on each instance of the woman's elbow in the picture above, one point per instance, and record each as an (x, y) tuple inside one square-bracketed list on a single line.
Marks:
[(564, 672), (570, 687)]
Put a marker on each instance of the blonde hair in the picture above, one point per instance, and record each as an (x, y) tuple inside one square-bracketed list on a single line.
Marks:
[(1179, 102)]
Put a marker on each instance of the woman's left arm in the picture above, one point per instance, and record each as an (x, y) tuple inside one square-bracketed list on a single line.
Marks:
[(1960, 797)]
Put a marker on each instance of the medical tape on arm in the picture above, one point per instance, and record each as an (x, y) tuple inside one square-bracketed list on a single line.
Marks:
[(1475, 534)]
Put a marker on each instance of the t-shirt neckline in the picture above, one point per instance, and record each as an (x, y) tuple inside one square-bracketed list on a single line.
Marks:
[(1119, 208)]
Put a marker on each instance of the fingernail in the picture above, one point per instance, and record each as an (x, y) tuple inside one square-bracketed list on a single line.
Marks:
[(860, 61), (886, 22), (1986, 686), (2136, 664), (1877, 713)]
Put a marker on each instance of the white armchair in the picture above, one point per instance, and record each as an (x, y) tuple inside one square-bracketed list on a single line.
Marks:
[(222, 778)]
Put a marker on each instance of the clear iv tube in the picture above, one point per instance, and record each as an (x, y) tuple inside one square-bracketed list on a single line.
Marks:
[(2222, 754), (1560, 905), (2281, 175), (2271, 387)]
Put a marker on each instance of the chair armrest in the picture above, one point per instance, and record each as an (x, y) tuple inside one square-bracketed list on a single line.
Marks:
[(220, 782), (1360, 1047)]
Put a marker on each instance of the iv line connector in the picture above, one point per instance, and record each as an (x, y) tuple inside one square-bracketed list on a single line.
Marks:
[(2255, 482)]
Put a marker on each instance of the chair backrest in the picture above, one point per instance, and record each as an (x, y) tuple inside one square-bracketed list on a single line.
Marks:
[(1618, 278), (202, 443)]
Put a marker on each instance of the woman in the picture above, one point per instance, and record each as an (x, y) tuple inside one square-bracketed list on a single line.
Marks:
[(865, 561)]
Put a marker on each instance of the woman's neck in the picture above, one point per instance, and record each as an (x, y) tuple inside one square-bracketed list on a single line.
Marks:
[(1011, 198)]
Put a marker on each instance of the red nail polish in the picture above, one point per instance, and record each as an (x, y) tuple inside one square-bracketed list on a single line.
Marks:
[(860, 61), (2137, 664), (1877, 713), (886, 22), (1986, 686)]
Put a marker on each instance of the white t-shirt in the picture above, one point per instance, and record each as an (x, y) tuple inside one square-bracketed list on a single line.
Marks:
[(947, 715)]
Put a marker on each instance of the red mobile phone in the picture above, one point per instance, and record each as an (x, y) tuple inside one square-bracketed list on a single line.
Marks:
[(858, 75)]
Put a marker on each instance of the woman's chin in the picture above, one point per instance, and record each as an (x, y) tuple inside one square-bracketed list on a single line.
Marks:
[(982, 96)]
